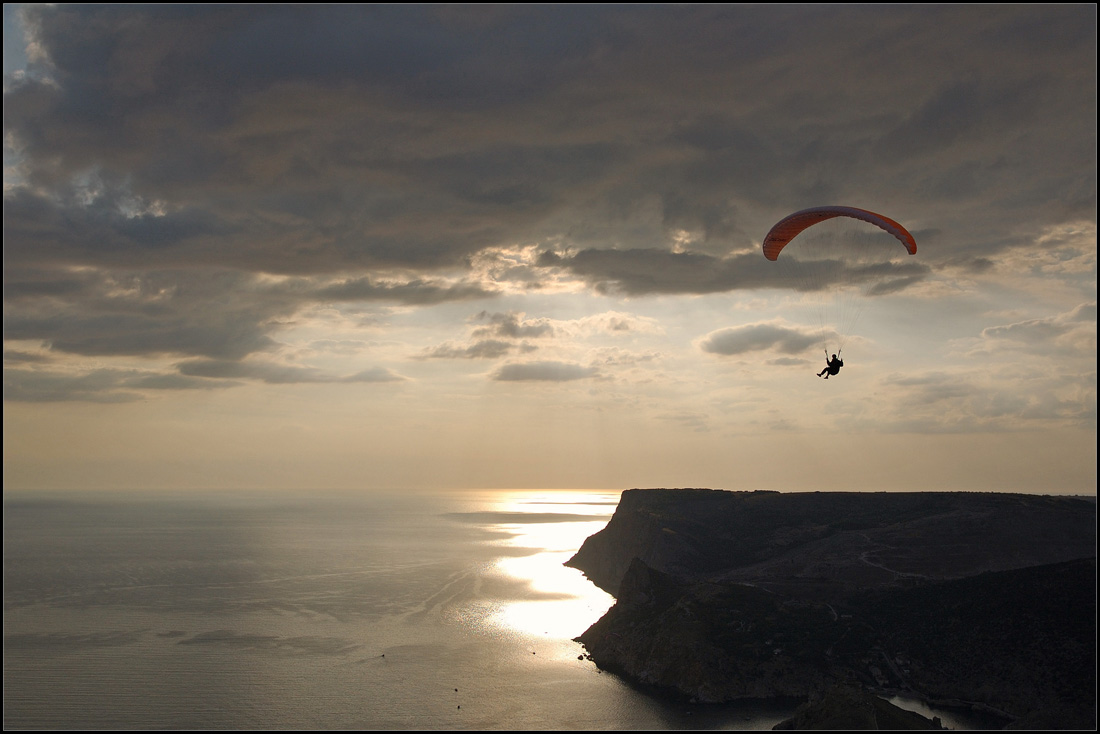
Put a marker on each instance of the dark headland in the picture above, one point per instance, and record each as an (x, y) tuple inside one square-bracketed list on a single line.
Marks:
[(985, 601)]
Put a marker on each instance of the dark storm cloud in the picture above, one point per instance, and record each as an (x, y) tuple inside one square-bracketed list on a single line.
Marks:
[(338, 144)]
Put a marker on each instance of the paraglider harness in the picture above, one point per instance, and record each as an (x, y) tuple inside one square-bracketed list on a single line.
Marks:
[(832, 365)]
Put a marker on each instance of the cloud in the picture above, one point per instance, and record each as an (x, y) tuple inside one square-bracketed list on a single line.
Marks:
[(416, 292), (483, 349), (504, 333), (893, 286), (220, 314), (16, 356), (280, 373), (374, 374), (331, 139), (38, 641), (968, 401), (622, 323), (695, 422), (102, 385), (98, 312), (1071, 334), (758, 338), (548, 371), (652, 271), (512, 326), (788, 362), (616, 357), (1040, 372), (192, 182)]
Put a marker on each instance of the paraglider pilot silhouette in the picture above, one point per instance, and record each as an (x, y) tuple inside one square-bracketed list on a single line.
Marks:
[(832, 366)]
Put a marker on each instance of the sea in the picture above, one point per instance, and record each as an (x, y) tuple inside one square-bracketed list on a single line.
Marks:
[(443, 610)]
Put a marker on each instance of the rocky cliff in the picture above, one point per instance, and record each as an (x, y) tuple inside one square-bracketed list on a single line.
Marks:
[(987, 599)]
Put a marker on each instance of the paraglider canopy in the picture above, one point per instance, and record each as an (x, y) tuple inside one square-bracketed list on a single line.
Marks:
[(829, 263), (790, 226)]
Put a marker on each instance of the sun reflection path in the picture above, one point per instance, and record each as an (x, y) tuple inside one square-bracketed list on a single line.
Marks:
[(565, 603)]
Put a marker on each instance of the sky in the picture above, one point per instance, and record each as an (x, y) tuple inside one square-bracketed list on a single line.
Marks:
[(519, 246)]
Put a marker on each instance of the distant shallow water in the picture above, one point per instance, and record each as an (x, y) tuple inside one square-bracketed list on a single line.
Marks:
[(257, 610)]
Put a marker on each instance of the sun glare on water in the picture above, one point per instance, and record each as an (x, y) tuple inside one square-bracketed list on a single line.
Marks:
[(563, 602)]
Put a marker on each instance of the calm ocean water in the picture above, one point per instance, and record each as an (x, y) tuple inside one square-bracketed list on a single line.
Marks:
[(449, 610)]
